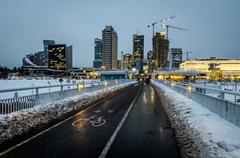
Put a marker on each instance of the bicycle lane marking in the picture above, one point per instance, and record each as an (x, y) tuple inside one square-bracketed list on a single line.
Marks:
[(93, 120)]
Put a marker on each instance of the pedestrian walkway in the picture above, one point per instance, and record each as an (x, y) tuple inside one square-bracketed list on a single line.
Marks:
[(146, 132)]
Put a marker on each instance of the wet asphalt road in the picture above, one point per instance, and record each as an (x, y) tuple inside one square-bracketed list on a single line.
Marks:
[(145, 133)]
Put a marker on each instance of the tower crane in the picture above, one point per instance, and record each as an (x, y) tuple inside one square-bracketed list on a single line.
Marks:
[(170, 26), (160, 21), (174, 27)]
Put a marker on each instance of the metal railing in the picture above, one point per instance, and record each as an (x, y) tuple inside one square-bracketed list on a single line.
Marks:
[(24, 102), (228, 110)]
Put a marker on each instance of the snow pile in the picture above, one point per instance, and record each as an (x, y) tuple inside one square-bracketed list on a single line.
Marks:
[(21, 122), (200, 133)]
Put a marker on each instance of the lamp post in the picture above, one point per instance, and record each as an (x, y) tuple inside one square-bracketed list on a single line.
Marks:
[(121, 60)]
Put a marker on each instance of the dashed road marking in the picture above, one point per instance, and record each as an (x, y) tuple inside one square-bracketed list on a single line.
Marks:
[(110, 141)]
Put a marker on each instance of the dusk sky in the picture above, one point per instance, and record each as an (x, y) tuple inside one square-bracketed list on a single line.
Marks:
[(212, 26)]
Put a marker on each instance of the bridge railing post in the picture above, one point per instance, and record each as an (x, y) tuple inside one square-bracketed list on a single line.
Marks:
[(221, 95)]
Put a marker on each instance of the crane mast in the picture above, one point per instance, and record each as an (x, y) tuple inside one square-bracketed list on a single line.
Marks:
[(160, 21)]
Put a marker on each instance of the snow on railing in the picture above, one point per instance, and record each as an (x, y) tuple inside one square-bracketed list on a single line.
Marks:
[(65, 90), (205, 90), (228, 110)]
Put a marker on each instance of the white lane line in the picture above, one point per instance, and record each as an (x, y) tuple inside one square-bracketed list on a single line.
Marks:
[(46, 130), (110, 141), (29, 139)]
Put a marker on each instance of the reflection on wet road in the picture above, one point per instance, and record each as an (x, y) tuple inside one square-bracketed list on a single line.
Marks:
[(85, 135), (146, 132)]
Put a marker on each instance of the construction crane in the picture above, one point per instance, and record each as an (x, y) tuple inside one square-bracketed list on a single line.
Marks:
[(160, 21), (170, 26), (174, 27)]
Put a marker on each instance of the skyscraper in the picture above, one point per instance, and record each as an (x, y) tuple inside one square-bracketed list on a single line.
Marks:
[(97, 63), (138, 51), (160, 50), (138, 47), (110, 44)]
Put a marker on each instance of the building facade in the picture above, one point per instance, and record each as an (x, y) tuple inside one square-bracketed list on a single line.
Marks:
[(57, 57), (110, 44), (69, 61), (127, 61), (160, 50), (34, 60), (97, 63), (217, 69), (150, 55), (175, 58), (150, 61), (46, 43), (138, 47), (38, 59)]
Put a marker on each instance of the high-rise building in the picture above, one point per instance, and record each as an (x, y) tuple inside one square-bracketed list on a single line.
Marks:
[(127, 61), (110, 44), (160, 50), (57, 57), (138, 47), (150, 55), (69, 57), (175, 58), (97, 63), (98, 49), (46, 43)]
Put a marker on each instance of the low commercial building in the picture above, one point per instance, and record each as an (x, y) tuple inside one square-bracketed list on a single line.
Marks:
[(183, 76), (216, 69)]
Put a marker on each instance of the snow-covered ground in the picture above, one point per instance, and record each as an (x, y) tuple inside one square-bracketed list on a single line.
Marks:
[(12, 84), (200, 132), (20, 122)]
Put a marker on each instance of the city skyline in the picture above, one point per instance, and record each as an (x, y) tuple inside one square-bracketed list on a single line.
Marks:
[(212, 26)]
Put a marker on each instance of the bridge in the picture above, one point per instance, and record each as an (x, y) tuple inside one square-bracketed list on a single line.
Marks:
[(116, 118)]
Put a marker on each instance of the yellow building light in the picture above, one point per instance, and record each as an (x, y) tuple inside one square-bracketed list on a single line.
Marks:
[(189, 88), (80, 86)]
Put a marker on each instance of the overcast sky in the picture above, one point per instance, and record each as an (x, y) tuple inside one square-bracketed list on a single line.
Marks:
[(213, 26)]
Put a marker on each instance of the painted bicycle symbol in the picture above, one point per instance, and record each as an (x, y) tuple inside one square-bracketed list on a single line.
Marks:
[(93, 120)]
